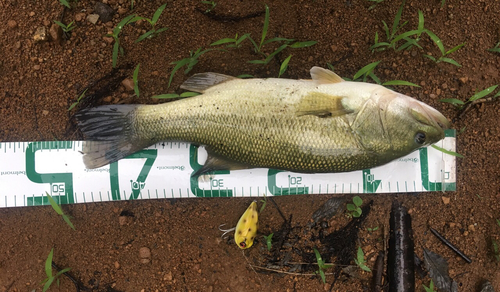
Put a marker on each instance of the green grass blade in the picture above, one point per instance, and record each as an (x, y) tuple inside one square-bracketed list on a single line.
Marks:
[(374, 77), (48, 264), (365, 70), (116, 48), (420, 22), (395, 25), (386, 29), (430, 57), (161, 30), (453, 101), (157, 14), (62, 25), (243, 76), (303, 44), (378, 45), (264, 29), (121, 24), (271, 56), (255, 46), (178, 65), (223, 41), (242, 38), (257, 62), (436, 40), (66, 219), (47, 284), (62, 272), (65, 3), (54, 205), (278, 40), (189, 94), (135, 77), (399, 82), (404, 35), (483, 93), (450, 60), (166, 96), (284, 66), (455, 48), (144, 36), (447, 151)]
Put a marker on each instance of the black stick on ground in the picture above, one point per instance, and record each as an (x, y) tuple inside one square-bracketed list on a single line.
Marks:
[(400, 264), (451, 246)]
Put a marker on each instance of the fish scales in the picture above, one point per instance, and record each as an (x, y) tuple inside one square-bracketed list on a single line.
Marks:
[(319, 125), (257, 127)]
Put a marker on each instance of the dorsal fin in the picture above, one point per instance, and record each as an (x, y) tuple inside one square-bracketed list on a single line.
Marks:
[(324, 76), (202, 81)]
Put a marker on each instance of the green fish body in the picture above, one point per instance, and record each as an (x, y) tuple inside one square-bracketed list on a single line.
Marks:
[(311, 126)]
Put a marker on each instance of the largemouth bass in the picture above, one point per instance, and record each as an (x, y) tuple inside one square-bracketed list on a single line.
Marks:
[(321, 125)]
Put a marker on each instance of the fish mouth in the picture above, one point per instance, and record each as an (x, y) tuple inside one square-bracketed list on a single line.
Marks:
[(430, 116)]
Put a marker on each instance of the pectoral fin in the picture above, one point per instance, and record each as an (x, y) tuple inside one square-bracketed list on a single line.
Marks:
[(322, 105), (202, 81), (324, 76), (216, 162)]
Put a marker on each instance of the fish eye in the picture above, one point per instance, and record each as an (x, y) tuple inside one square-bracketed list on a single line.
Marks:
[(243, 244), (420, 138)]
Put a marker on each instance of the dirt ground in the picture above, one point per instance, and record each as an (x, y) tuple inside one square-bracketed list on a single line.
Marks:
[(40, 80)]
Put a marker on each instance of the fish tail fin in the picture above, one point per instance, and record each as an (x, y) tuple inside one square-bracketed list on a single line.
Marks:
[(110, 133)]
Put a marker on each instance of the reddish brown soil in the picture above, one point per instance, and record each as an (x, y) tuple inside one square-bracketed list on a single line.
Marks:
[(40, 80)]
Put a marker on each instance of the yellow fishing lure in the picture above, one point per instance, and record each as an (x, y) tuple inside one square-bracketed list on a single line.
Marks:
[(246, 229)]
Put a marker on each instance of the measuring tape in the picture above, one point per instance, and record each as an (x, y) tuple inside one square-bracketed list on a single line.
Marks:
[(29, 170)]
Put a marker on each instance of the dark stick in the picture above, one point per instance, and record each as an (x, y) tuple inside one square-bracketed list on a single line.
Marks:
[(451, 246), (378, 273)]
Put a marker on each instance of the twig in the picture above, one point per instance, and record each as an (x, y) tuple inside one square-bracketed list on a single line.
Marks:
[(288, 273), (469, 106), (451, 246)]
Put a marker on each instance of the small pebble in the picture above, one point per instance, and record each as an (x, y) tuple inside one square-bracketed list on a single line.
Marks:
[(117, 265), (446, 200), (144, 254), (93, 18), (12, 24), (168, 276), (128, 84)]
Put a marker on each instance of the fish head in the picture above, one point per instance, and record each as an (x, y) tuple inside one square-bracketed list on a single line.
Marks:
[(411, 124)]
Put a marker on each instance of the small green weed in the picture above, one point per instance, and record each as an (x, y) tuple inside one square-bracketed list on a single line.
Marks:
[(430, 288), (444, 53), (284, 66), (496, 48), (375, 3), (473, 99), (59, 211), (153, 32), (285, 43), (115, 35), (212, 5), (496, 250), (48, 270), (392, 38), (367, 71), (189, 62), (231, 43), (66, 28), (354, 210), (80, 97), (132, 2), (321, 266), (136, 81), (372, 229), (175, 95), (269, 241), (360, 260), (447, 151), (66, 3)]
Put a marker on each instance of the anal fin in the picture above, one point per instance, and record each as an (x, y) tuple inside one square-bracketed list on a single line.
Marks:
[(216, 162)]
